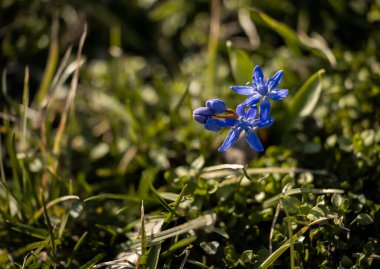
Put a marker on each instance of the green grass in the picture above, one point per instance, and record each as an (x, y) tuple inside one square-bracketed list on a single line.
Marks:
[(102, 163)]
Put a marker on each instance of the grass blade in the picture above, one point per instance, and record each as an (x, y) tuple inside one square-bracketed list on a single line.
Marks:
[(180, 244), (51, 63), (93, 261), (75, 250), (52, 203), (50, 230)]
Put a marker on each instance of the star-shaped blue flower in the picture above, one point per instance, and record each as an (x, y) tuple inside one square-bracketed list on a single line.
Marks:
[(247, 122), (259, 88)]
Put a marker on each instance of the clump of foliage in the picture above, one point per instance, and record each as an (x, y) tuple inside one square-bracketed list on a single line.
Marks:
[(102, 164)]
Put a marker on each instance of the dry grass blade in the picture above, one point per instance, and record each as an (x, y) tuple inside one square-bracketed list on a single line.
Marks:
[(70, 96)]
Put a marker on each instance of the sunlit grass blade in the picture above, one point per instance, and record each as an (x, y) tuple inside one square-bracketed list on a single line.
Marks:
[(178, 245), (207, 220), (105, 196), (38, 213), (228, 170), (143, 231), (31, 246), (171, 215), (24, 109), (70, 96)]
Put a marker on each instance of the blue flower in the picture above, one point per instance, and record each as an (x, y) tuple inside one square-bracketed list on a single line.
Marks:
[(259, 88), (248, 122)]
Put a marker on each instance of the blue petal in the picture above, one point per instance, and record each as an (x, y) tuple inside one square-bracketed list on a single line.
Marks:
[(258, 77), (263, 124), (228, 122), (231, 138), (278, 94), (253, 141), (240, 110), (275, 80), (253, 99), (244, 90), (218, 106), (264, 110), (252, 112), (212, 125)]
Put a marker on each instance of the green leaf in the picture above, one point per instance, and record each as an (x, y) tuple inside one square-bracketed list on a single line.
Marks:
[(210, 247), (337, 200), (247, 256), (363, 219), (241, 64), (290, 203), (290, 37), (305, 100), (296, 40)]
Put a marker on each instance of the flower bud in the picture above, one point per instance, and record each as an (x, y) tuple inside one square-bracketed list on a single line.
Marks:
[(212, 125), (218, 106), (201, 114)]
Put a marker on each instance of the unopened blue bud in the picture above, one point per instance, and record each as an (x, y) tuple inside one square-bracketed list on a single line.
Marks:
[(217, 105), (212, 125), (201, 114)]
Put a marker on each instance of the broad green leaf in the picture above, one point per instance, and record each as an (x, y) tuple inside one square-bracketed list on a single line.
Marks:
[(294, 41), (305, 100), (337, 200), (290, 37), (290, 203), (363, 219), (247, 256), (241, 64)]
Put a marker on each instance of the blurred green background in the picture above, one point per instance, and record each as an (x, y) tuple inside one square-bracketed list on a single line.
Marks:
[(145, 65)]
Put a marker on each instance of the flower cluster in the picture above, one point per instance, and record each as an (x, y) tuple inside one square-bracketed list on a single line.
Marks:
[(253, 113)]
